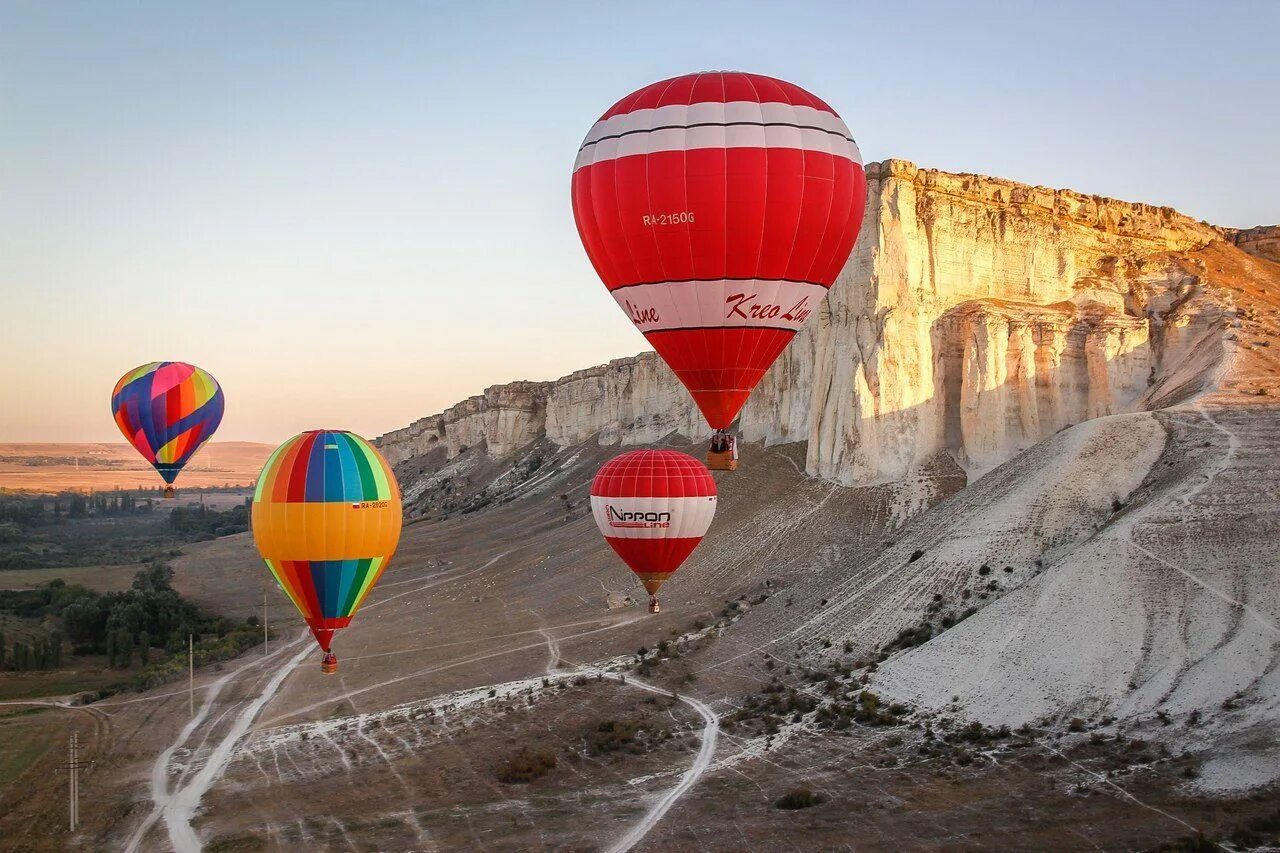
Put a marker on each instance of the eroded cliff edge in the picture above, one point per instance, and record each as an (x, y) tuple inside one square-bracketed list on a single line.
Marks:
[(975, 317)]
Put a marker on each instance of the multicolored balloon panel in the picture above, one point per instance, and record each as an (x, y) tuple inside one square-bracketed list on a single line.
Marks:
[(718, 209), (167, 410), (326, 520), (653, 507)]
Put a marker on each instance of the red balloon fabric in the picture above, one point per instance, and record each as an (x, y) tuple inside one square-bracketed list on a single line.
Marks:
[(718, 209), (653, 507)]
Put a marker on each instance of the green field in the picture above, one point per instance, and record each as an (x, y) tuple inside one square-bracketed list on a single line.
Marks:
[(84, 674), (99, 578)]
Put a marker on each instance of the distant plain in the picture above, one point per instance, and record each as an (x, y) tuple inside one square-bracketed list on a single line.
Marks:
[(57, 467)]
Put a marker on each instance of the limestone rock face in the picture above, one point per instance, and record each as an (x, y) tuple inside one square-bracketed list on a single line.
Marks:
[(1263, 241), (504, 419), (627, 401), (975, 317)]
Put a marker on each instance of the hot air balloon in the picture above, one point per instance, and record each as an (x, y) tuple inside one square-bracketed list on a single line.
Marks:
[(718, 209), (326, 519), (653, 507), (167, 410)]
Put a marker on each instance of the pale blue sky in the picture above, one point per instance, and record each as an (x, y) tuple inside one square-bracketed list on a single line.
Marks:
[(354, 214)]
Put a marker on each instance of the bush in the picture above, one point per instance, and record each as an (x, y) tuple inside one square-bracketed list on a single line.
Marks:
[(611, 736), (798, 798), (525, 766)]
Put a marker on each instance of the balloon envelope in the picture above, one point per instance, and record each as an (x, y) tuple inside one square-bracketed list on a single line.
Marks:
[(167, 410), (326, 519), (653, 507), (718, 208)]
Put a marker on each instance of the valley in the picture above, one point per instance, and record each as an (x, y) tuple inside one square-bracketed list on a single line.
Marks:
[(997, 569)]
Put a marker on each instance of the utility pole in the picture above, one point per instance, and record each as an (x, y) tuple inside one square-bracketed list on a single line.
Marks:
[(191, 675), (73, 767)]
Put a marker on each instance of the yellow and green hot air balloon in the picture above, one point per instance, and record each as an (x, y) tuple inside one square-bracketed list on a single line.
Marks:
[(326, 519)]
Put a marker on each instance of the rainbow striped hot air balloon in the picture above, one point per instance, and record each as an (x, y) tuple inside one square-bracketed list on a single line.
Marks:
[(326, 519), (167, 410)]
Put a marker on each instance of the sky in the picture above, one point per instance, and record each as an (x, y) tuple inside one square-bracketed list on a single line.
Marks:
[(357, 214)]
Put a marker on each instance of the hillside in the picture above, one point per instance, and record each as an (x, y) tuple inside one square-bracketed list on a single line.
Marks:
[(1149, 527), (998, 569)]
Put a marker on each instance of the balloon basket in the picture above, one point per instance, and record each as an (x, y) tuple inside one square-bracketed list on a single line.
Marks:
[(170, 493), (721, 461), (654, 606), (329, 664)]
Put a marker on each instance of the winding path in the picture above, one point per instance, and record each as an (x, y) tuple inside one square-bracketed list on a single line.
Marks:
[(710, 734), (702, 761), (178, 806)]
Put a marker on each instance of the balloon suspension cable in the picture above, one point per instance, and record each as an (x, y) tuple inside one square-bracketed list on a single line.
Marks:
[(654, 606)]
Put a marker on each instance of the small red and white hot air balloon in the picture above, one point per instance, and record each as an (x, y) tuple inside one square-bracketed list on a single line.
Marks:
[(653, 507), (718, 209)]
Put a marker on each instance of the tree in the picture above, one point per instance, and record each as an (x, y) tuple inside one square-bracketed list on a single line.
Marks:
[(85, 620), (144, 648), (55, 649), (1, 649), (111, 650), (124, 648)]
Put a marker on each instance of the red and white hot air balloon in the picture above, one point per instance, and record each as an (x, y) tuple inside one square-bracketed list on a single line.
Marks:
[(653, 507), (718, 208)]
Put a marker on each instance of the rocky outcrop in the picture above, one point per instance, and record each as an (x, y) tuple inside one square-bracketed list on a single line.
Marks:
[(885, 382), (975, 317), (1263, 241), (502, 420), (627, 401)]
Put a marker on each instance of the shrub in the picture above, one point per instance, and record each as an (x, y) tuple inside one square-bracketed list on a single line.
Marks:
[(798, 798), (525, 766), (611, 736)]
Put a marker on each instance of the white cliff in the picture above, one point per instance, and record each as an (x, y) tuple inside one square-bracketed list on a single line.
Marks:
[(975, 317)]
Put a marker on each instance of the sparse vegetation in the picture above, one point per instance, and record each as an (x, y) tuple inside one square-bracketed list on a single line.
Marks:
[(526, 765), (613, 736), (798, 798)]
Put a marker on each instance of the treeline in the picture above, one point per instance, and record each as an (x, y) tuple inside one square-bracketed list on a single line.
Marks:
[(200, 522), (148, 623), (28, 512), (43, 652), (103, 529)]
